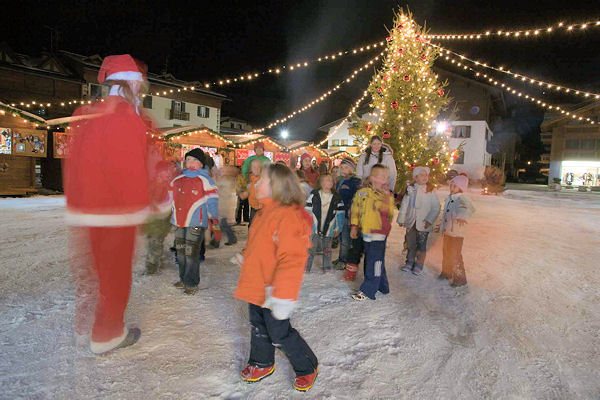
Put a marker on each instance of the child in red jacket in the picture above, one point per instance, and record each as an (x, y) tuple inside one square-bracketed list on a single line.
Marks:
[(271, 276)]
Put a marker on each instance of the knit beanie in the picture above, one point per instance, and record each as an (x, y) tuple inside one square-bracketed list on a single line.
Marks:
[(462, 182), (198, 154), (350, 162), (418, 170), (305, 156), (259, 144)]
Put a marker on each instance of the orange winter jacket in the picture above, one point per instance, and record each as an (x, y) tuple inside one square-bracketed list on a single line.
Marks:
[(252, 200), (275, 254)]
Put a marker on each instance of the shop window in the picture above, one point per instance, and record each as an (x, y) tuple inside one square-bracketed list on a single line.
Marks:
[(147, 102), (461, 132), (461, 158), (204, 112), (572, 144)]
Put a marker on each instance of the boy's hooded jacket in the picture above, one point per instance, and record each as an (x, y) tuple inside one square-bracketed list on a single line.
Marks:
[(373, 212), (347, 188), (334, 219), (195, 199)]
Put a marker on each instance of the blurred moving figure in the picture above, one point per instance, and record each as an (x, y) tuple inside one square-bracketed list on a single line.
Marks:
[(106, 186)]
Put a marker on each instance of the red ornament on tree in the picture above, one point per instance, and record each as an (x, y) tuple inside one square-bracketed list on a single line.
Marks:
[(406, 78), (388, 38), (395, 104), (386, 78), (440, 91), (399, 27), (423, 57), (395, 69), (399, 52), (436, 161), (369, 126), (412, 166), (415, 107), (386, 135), (380, 89)]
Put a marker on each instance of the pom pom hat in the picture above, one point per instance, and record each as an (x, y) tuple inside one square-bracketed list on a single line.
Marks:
[(305, 156), (121, 67), (462, 182), (418, 170)]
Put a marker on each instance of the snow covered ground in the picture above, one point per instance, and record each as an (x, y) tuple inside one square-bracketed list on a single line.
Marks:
[(527, 326)]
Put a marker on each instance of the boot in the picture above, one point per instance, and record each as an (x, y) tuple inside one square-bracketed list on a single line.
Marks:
[(133, 335), (252, 374), (304, 382), (350, 273)]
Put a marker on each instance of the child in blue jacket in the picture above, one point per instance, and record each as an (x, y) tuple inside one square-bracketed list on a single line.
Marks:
[(347, 187)]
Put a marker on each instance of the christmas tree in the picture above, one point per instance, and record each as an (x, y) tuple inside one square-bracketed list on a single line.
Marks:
[(407, 99)]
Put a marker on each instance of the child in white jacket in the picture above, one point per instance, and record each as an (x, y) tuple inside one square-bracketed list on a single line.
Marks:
[(419, 209), (457, 209)]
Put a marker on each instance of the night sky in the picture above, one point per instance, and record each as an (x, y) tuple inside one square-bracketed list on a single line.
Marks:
[(204, 41)]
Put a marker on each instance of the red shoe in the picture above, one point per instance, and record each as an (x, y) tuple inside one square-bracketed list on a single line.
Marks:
[(253, 374), (350, 273), (305, 382)]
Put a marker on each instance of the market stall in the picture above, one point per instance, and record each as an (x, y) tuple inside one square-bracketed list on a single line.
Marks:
[(186, 138), (305, 147), (336, 156), (23, 141), (244, 148)]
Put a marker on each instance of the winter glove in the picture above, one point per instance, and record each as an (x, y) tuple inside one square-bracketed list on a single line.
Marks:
[(215, 230), (280, 308)]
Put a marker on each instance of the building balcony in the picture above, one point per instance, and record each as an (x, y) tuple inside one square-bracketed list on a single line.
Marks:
[(179, 115), (545, 159)]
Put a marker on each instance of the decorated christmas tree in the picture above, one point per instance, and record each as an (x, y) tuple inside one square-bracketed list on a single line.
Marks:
[(407, 99)]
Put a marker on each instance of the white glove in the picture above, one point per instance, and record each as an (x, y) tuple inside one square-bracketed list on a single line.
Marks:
[(280, 308)]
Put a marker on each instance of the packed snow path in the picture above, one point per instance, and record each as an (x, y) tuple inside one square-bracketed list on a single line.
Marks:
[(527, 326)]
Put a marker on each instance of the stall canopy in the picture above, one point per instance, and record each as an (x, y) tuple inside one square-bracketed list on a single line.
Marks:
[(244, 148)]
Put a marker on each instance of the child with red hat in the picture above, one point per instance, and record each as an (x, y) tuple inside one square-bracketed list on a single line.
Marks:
[(312, 175), (107, 193)]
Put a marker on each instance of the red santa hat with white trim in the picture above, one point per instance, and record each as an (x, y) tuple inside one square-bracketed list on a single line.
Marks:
[(120, 67)]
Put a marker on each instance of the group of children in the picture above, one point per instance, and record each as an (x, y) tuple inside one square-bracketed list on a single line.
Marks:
[(290, 227)]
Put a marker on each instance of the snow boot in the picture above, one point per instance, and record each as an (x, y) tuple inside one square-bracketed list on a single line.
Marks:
[(359, 296), (190, 291), (351, 271), (133, 335), (304, 382), (252, 374)]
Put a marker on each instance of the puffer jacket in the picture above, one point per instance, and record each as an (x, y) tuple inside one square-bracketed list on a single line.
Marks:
[(372, 211), (334, 219), (275, 254), (252, 199), (420, 204), (364, 170), (457, 206)]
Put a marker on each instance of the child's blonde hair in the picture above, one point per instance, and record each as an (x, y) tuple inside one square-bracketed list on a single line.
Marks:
[(323, 176), (285, 186)]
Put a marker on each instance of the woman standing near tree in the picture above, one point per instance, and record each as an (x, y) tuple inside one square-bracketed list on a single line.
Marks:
[(377, 153)]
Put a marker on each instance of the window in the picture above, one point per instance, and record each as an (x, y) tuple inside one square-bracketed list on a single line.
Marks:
[(336, 142), (461, 132), (147, 102), (239, 126), (572, 144), (461, 158), (178, 106), (96, 91), (344, 142), (204, 112)]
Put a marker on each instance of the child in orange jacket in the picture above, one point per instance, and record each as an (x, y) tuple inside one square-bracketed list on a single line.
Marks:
[(271, 276)]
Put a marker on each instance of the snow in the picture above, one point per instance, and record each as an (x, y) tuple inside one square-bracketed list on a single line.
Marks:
[(527, 326)]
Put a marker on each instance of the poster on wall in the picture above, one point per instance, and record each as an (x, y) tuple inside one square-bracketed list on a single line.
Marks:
[(29, 143), (61, 144), (5, 141)]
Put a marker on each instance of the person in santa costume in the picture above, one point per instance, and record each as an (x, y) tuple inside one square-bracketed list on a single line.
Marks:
[(195, 208), (106, 185)]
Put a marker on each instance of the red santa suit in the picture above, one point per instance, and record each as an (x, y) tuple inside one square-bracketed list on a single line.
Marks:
[(106, 187)]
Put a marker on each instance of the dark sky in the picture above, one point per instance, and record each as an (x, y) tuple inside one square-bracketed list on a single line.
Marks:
[(209, 40)]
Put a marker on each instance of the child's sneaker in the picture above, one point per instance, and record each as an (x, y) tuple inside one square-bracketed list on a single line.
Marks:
[(407, 268), (417, 270), (253, 374), (304, 382), (359, 296)]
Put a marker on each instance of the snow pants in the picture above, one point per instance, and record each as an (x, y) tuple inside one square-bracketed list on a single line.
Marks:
[(416, 243), (188, 242), (268, 333), (112, 252), (320, 244), (156, 232), (345, 241), (453, 267), (375, 276)]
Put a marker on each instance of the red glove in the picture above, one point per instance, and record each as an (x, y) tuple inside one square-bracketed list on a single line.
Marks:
[(215, 230)]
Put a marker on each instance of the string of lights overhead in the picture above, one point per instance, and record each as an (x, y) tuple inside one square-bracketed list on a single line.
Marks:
[(520, 33), (446, 54), (316, 100), (489, 79)]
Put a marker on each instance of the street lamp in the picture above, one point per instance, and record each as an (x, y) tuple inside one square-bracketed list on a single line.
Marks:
[(441, 127), (284, 134)]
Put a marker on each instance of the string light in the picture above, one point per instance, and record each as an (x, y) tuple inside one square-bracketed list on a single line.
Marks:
[(317, 99), (195, 132), (521, 77), (350, 113), (525, 96), (522, 33)]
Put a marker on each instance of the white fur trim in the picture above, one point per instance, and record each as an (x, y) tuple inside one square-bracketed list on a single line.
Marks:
[(74, 218), (280, 308), (126, 76), (103, 347)]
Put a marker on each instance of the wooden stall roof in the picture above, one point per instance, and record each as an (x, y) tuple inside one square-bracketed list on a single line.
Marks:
[(334, 153), (199, 135), (22, 118), (310, 148), (248, 140)]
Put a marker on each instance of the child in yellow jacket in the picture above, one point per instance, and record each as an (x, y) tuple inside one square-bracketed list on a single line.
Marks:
[(372, 213)]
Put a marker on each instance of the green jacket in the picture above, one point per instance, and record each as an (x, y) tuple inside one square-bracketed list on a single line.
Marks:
[(248, 162)]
